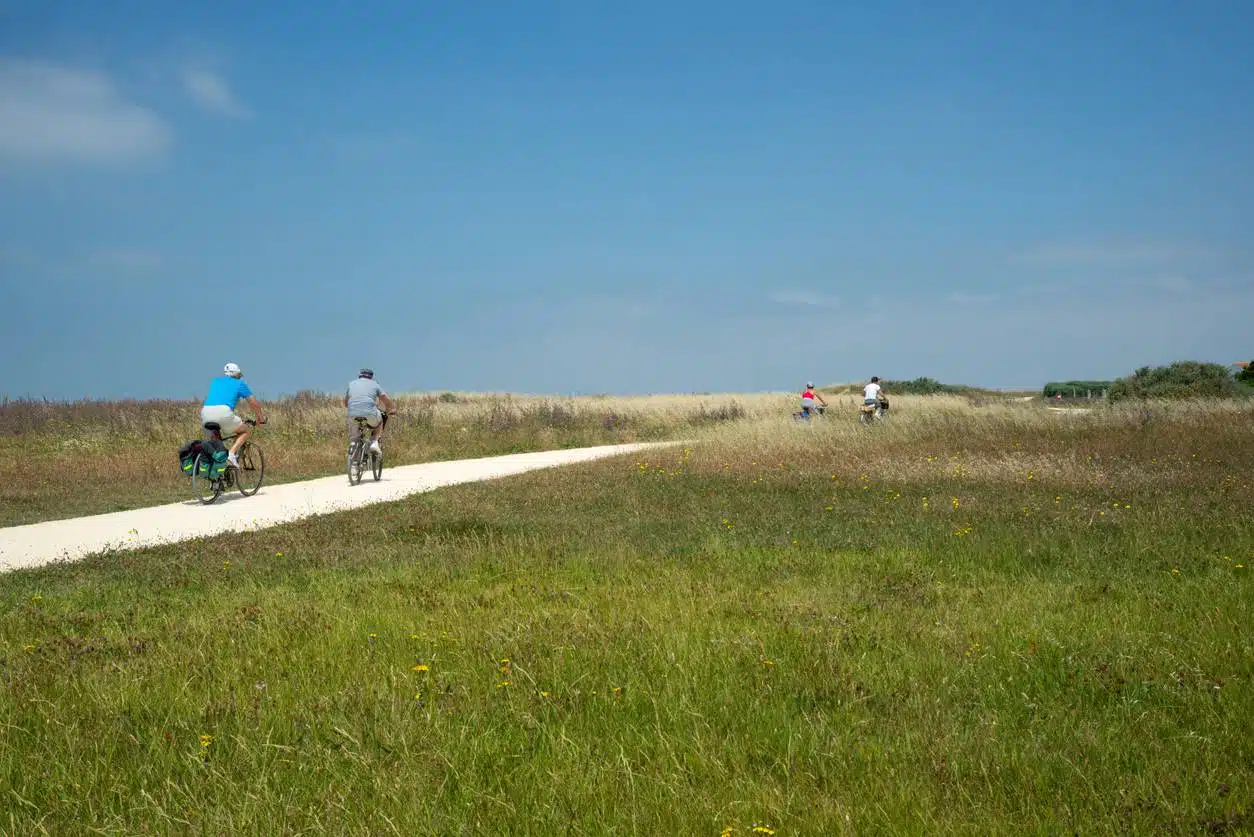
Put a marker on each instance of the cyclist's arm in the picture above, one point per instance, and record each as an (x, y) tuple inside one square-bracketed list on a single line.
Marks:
[(388, 404), (256, 405)]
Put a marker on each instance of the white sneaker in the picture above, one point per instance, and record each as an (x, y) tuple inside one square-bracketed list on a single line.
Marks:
[(232, 461), (374, 446)]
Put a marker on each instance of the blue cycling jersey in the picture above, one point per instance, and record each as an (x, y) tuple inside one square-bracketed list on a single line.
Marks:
[(225, 391)]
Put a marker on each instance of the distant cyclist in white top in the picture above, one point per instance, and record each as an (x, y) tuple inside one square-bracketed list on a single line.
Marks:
[(225, 391), (361, 398), (871, 395)]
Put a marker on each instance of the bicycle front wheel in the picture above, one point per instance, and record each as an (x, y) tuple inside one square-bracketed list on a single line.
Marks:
[(376, 465), (205, 489), (252, 469)]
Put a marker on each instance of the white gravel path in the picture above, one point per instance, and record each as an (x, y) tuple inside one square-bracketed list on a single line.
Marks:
[(70, 540)]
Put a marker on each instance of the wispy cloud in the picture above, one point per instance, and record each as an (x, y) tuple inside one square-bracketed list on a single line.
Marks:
[(972, 299), (55, 114), (1174, 284), (1113, 254), (369, 148), (786, 297), (213, 94), (116, 263), (131, 260), (17, 258)]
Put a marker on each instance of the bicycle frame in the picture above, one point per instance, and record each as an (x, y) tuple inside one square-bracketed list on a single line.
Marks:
[(359, 453)]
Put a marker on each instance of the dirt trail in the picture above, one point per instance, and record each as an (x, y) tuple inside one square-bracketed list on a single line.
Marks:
[(69, 540)]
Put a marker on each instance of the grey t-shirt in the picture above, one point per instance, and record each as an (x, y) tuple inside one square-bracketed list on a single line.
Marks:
[(361, 396)]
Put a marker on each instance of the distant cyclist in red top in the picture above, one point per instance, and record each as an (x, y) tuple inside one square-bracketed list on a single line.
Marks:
[(808, 397)]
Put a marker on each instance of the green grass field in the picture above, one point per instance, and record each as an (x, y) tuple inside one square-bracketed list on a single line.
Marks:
[(968, 620)]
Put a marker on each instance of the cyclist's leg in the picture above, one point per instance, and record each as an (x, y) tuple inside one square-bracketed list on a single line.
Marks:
[(240, 430), (380, 420), (375, 423)]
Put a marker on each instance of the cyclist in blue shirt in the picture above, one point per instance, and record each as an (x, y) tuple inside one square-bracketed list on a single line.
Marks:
[(225, 391)]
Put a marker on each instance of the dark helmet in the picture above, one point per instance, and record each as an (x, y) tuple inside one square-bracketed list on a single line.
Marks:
[(366, 373)]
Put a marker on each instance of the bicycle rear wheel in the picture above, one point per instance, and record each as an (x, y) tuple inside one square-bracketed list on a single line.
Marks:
[(206, 490), (376, 465), (251, 470), (355, 464)]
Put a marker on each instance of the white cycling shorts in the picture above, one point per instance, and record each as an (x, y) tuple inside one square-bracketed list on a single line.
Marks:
[(224, 416)]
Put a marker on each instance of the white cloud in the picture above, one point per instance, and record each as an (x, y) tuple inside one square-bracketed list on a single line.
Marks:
[(212, 93), (50, 114), (804, 298)]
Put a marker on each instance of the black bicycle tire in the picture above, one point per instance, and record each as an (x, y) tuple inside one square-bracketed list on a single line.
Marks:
[(354, 462), (247, 450), (215, 488), (376, 465)]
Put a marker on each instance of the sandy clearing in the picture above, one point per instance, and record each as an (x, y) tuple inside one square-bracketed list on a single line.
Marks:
[(69, 540)]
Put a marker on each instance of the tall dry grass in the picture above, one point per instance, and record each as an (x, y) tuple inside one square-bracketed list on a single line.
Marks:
[(65, 459), (1002, 442)]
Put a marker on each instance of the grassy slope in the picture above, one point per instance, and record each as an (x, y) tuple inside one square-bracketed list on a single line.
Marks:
[(773, 628)]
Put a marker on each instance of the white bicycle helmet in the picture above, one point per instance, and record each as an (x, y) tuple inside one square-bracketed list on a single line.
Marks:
[(232, 369)]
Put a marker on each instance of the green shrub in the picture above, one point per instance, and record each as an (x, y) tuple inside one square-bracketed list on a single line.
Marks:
[(1075, 389), (922, 386), (1182, 379)]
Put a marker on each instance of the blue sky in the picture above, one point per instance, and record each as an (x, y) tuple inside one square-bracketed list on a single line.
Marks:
[(569, 197)]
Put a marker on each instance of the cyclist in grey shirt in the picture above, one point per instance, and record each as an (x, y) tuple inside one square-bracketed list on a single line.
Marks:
[(362, 398)]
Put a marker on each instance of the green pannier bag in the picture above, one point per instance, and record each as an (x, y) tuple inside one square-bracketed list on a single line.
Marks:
[(212, 455)]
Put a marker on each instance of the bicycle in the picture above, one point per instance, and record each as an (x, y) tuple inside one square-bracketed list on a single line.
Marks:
[(815, 412), (247, 477), (358, 450), (871, 413)]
